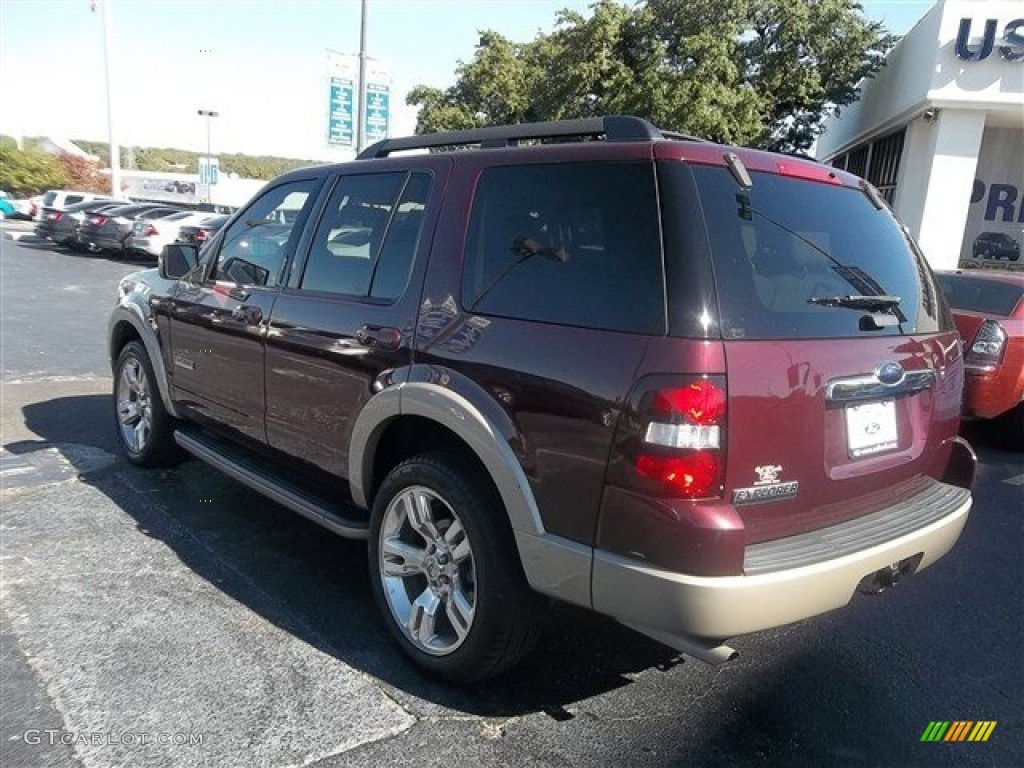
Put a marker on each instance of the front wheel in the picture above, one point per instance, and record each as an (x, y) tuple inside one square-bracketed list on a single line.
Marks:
[(445, 572), (143, 425)]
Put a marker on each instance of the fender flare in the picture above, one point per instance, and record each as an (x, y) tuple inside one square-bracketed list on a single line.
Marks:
[(130, 313), (455, 412), (553, 565)]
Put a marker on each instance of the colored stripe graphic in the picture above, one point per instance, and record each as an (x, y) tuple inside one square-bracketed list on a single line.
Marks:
[(935, 730), (982, 730), (959, 730)]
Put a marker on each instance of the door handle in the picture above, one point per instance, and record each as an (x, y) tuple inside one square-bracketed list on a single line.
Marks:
[(380, 336), (247, 314)]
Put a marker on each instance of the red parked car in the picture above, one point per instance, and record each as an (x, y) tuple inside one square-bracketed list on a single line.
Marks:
[(988, 309)]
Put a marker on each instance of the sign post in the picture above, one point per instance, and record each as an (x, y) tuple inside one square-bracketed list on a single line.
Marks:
[(209, 176)]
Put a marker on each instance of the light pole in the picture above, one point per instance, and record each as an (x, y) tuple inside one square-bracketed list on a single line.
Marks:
[(115, 150), (361, 111), (209, 114)]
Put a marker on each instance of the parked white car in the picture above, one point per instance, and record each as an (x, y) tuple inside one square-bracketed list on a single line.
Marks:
[(149, 236), (59, 199)]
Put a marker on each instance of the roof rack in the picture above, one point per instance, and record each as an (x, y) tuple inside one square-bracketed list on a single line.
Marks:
[(612, 128)]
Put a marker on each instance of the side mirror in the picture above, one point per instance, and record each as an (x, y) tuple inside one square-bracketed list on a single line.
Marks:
[(177, 260)]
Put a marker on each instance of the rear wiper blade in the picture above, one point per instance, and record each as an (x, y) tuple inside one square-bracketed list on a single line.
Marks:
[(869, 303)]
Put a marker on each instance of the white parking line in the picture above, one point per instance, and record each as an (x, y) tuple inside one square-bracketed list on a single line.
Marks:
[(1016, 480)]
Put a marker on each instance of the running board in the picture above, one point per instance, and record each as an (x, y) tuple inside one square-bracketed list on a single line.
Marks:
[(250, 472)]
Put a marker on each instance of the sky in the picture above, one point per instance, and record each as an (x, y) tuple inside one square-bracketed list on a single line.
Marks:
[(262, 65)]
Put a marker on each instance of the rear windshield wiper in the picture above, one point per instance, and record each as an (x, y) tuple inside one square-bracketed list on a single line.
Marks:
[(868, 303)]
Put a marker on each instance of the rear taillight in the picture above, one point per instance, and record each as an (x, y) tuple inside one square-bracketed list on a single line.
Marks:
[(55, 216), (202, 235), (987, 349), (150, 231), (99, 220), (673, 438)]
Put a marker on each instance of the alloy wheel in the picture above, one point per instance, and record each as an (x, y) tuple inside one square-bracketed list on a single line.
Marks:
[(134, 408), (427, 570)]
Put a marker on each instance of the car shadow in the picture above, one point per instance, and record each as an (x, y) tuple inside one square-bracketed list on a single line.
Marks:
[(315, 585), (36, 243)]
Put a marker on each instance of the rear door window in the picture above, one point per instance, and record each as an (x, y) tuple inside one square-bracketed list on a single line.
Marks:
[(571, 244), (368, 235), (788, 252), (988, 297)]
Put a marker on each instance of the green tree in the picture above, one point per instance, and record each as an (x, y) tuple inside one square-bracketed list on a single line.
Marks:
[(28, 173), (805, 58), (756, 72)]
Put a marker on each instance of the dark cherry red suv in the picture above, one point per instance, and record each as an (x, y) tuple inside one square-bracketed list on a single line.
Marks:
[(703, 390)]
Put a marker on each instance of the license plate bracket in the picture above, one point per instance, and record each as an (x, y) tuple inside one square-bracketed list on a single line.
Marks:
[(871, 428)]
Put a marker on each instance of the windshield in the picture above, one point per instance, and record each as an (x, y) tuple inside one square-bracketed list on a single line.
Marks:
[(799, 259)]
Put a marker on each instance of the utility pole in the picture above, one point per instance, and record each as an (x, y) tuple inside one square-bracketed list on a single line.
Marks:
[(361, 118), (115, 150)]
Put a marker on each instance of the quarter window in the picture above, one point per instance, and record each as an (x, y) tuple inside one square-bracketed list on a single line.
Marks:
[(257, 244), (572, 244)]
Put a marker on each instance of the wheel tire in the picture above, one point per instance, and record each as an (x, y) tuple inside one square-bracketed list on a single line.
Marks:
[(144, 428), (447, 578)]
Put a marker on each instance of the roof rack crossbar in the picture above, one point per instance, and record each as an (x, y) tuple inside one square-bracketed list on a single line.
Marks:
[(612, 127)]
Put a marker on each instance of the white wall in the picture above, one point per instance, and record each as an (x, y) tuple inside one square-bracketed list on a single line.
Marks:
[(956, 138), (993, 84), (923, 72), (152, 185), (897, 92)]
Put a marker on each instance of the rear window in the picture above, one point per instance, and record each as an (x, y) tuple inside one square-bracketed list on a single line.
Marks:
[(570, 244), (786, 252), (49, 197), (988, 297)]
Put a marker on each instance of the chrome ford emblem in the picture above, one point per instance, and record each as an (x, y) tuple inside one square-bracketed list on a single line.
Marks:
[(890, 373)]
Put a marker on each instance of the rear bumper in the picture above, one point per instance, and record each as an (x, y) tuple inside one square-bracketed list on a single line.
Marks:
[(988, 395), (105, 243), (143, 245), (784, 581)]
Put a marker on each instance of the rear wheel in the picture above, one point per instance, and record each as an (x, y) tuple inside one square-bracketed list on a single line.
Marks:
[(143, 425), (445, 573)]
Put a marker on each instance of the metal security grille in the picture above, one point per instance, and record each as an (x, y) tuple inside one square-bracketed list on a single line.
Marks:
[(885, 164), (877, 161), (857, 162)]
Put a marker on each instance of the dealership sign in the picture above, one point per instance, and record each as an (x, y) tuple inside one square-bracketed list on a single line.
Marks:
[(1012, 48), (994, 232)]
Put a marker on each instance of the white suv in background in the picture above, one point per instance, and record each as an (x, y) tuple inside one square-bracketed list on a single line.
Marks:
[(59, 199)]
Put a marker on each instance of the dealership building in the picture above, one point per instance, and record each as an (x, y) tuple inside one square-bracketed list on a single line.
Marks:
[(940, 131)]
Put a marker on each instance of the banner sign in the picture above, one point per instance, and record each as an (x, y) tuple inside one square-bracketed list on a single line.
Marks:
[(339, 120), (994, 235)]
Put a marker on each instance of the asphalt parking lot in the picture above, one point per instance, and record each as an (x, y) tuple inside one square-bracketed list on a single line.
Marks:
[(174, 618)]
